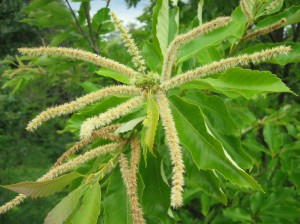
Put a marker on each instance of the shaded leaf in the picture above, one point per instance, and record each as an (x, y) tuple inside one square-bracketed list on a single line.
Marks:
[(90, 209), (206, 151), (116, 205), (206, 180), (222, 126), (65, 207), (156, 195)]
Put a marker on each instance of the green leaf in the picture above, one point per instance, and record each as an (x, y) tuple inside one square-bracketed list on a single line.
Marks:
[(65, 207), (291, 14), (238, 214), (160, 25), (45, 188), (266, 4), (156, 195), (150, 124), (116, 205), (153, 56), (206, 180), (241, 82), (232, 32), (206, 151), (291, 57), (273, 137), (130, 125), (222, 126), (199, 11), (114, 75), (173, 23), (101, 16), (90, 209)]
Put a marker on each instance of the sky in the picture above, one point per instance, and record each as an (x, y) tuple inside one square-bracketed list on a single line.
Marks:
[(119, 7)]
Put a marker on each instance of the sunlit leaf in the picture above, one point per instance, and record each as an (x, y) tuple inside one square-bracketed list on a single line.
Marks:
[(114, 75), (241, 82), (150, 124), (160, 25)]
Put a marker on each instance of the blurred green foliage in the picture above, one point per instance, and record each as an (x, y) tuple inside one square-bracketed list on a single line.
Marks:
[(269, 125)]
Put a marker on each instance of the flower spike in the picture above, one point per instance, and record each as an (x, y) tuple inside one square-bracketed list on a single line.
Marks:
[(246, 10), (81, 55), (81, 159), (182, 39), (79, 103), (224, 65), (175, 150), (131, 182), (104, 133), (107, 117), (265, 30), (137, 58)]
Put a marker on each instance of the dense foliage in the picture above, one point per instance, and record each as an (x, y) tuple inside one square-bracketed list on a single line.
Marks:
[(227, 123)]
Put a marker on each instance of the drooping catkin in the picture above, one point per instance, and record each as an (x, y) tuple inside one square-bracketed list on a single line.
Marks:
[(103, 133), (246, 10), (265, 30), (79, 103), (12, 203), (182, 39), (130, 180), (132, 49), (66, 167), (80, 55), (225, 64), (81, 159), (110, 115), (175, 150)]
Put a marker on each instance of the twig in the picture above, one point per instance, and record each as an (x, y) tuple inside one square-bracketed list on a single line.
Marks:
[(88, 19), (81, 31)]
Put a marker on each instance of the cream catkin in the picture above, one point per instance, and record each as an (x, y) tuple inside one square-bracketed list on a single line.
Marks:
[(110, 115), (175, 150), (81, 159), (103, 133), (246, 10), (81, 55), (137, 58), (135, 160), (265, 30), (223, 65), (79, 103), (12, 203), (182, 39), (130, 181)]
